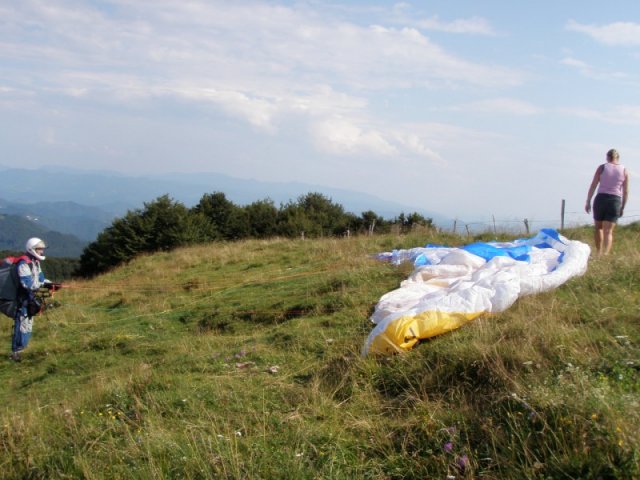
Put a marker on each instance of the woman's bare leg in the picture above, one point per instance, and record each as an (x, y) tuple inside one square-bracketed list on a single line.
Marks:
[(597, 236), (607, 236)]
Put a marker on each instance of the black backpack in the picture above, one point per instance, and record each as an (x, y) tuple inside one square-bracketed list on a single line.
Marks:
[(10, 284)]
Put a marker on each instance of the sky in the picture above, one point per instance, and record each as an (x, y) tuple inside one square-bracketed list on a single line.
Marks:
[(473, 109)]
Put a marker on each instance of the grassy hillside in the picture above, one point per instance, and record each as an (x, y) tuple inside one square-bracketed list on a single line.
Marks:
[(242, 361)]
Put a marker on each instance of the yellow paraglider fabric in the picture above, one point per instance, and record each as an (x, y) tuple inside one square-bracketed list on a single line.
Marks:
[(403, 333)]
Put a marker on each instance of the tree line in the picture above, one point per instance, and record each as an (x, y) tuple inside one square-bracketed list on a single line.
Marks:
[(164, 224)]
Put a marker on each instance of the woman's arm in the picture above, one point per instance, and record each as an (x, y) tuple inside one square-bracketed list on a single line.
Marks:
[(625, 191), (592, 188)]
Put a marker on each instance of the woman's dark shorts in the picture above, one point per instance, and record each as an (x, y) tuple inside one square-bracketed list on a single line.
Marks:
[(606, 207)]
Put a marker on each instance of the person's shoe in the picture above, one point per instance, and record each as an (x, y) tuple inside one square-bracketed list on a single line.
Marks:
[(15, 356)]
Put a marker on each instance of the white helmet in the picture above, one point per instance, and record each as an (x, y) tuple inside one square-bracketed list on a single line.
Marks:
[(31, 246)]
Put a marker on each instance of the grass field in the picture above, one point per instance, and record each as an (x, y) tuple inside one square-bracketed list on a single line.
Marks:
[(242, 361)]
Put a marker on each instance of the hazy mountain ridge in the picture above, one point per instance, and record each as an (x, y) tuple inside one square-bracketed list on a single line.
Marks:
[(15, 230), (73, 206), (115, 193), (81, 221)]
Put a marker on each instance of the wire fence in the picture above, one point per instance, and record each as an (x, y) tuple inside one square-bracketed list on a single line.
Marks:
[(527, 226)]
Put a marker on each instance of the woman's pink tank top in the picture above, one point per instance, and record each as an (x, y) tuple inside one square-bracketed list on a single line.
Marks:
[(611, 179)]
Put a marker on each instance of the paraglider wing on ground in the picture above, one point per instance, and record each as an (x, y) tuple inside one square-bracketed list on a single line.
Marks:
[(452, 286)]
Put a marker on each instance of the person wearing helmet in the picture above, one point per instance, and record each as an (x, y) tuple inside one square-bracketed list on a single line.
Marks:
[(31, 279)]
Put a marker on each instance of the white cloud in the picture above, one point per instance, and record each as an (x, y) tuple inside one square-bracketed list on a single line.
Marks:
[(342, 136), (619, 115), (473, 25), (412, 145), (575, 63), (591, 72), (354, 137), (17, 99), (257, 111), (416, 145), (615, 34), (504, 105), (225, 41), (261, 62), (49, 136)]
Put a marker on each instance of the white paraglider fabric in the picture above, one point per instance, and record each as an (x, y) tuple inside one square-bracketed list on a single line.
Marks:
[(452, 286)]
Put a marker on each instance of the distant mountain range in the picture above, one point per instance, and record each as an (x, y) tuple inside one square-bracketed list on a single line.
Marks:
[(15, 230), (84, 222), (84, 202)]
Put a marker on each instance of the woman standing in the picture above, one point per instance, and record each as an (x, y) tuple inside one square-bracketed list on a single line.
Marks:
[(612, 180)]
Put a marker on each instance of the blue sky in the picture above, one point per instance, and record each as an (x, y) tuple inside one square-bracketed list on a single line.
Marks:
[(470, 109)]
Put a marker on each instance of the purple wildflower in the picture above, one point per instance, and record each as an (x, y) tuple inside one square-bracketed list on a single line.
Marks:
[(462, 462)]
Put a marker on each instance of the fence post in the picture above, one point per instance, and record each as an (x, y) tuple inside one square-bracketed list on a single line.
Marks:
[(495, 232), (526, 225), (562, 215), (454, 225)]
